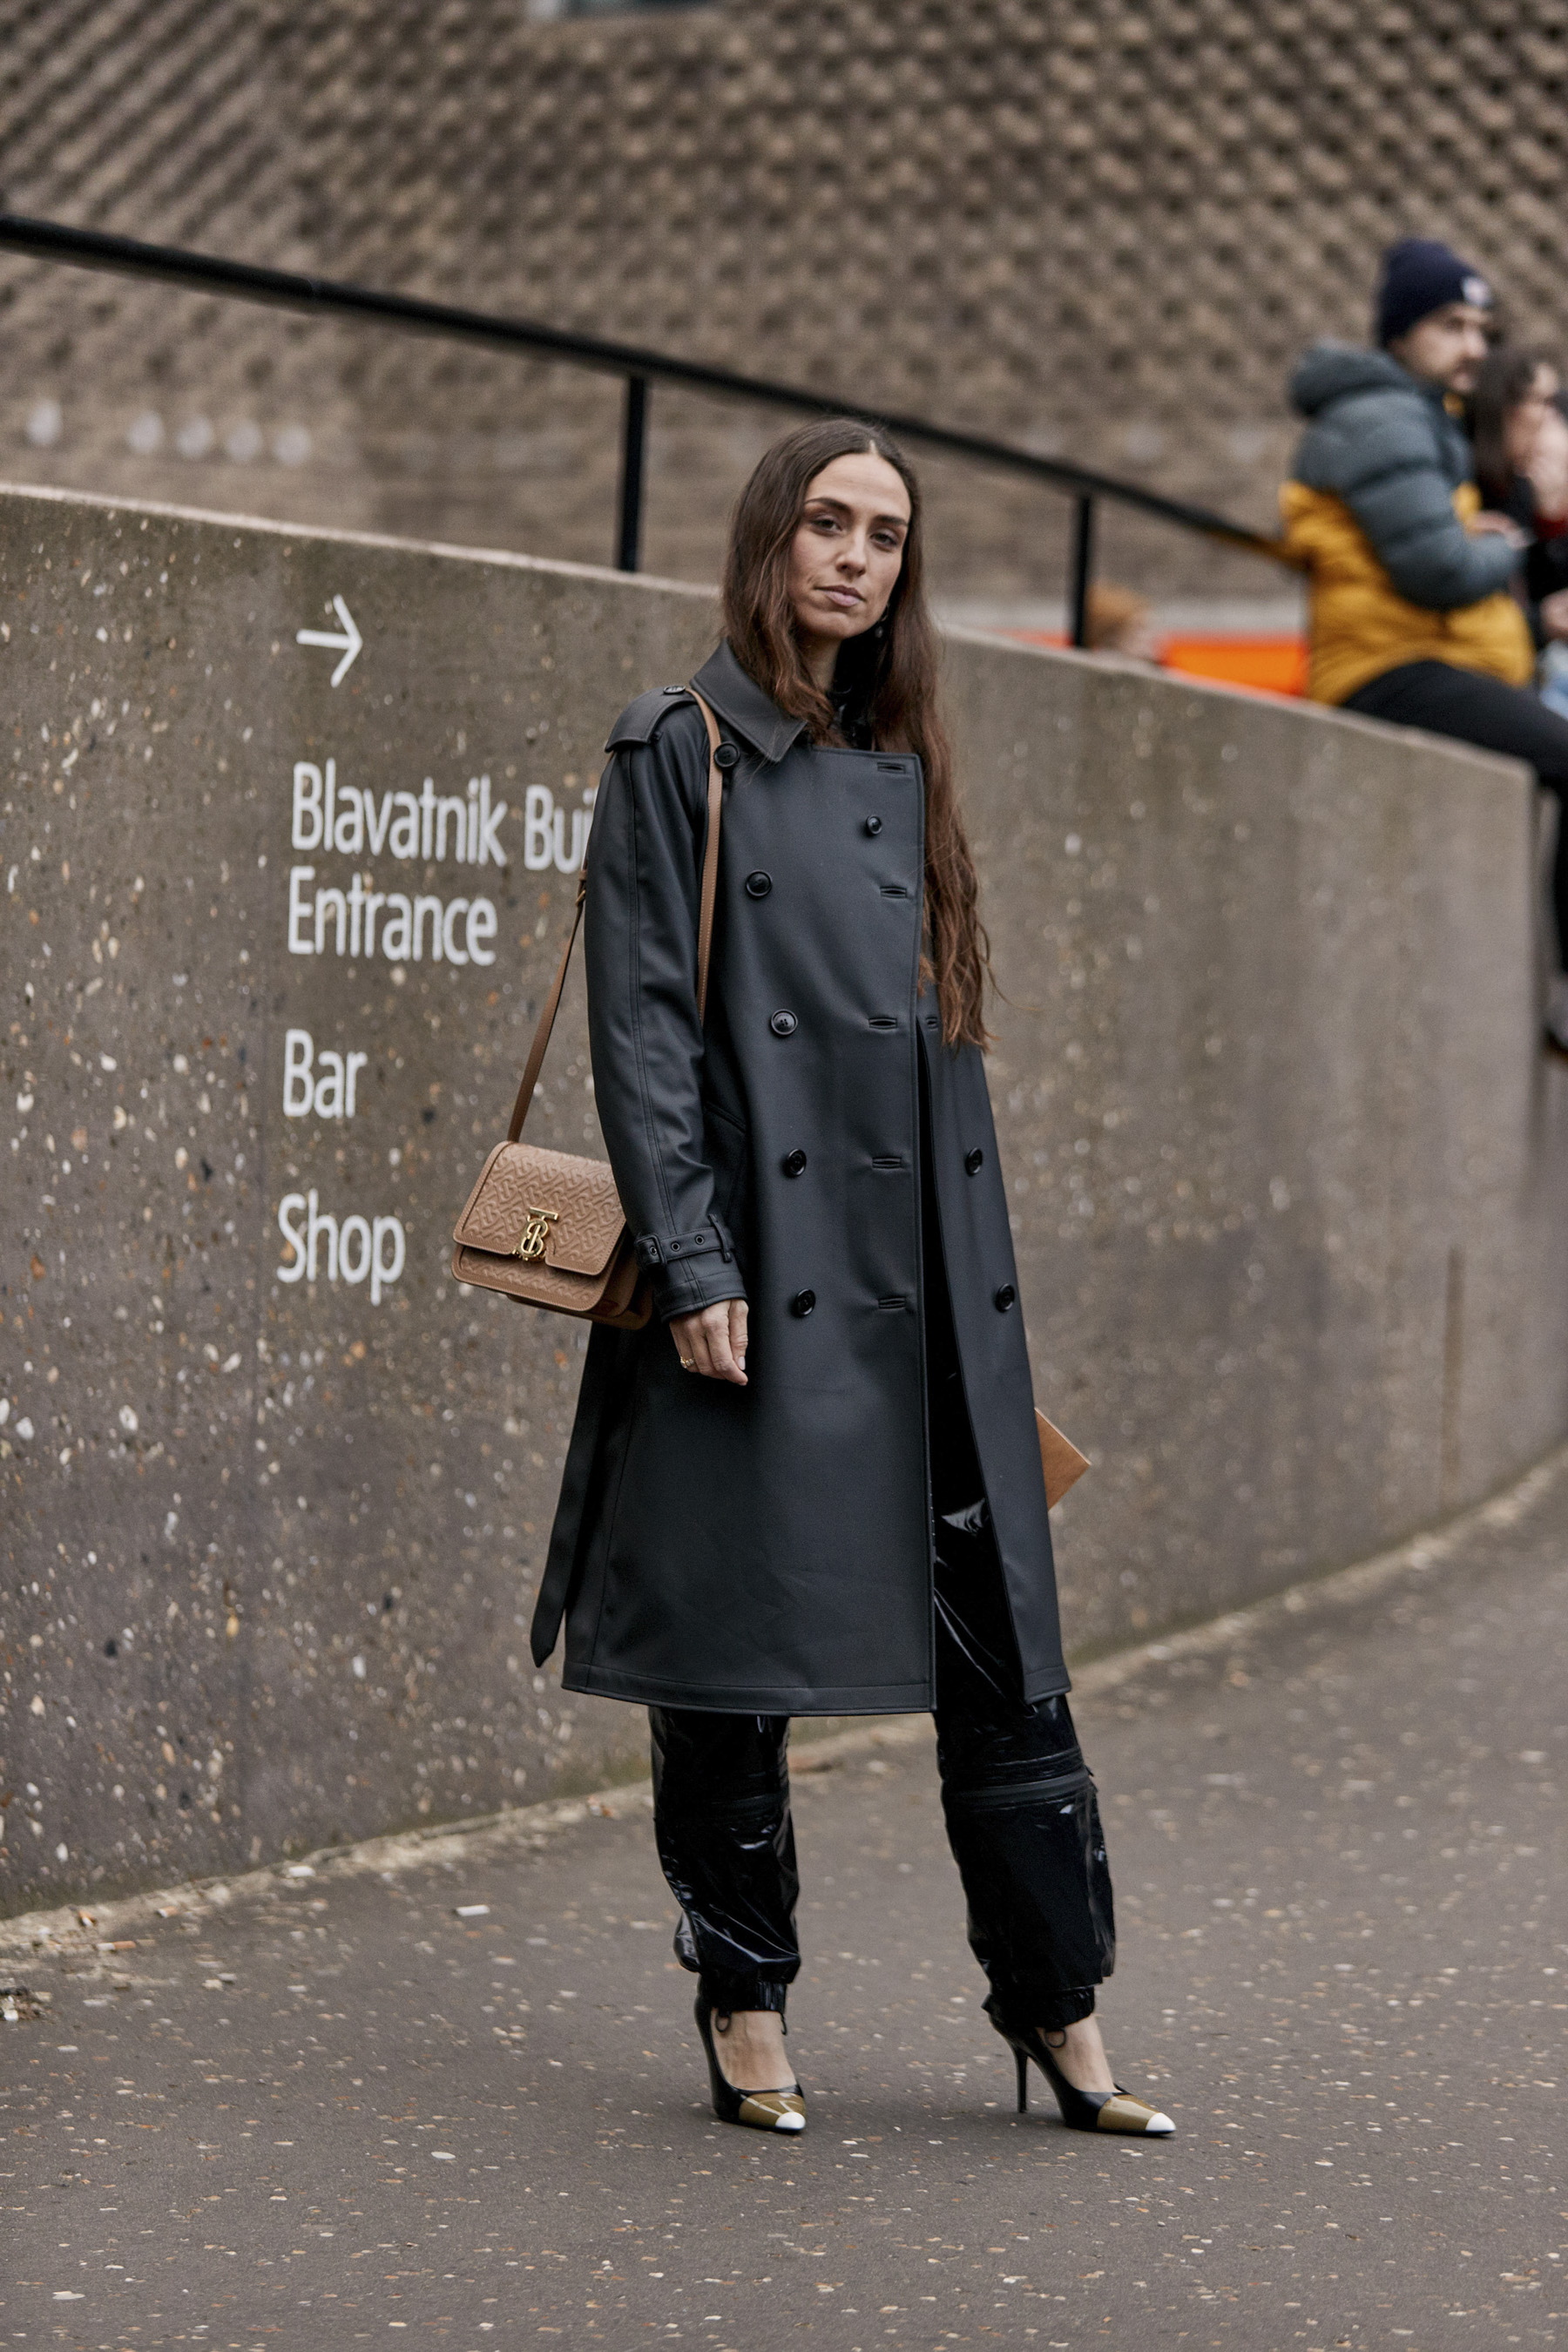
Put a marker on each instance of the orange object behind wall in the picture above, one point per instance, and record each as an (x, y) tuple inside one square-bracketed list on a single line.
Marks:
[(1264, 665), (1270, 665)]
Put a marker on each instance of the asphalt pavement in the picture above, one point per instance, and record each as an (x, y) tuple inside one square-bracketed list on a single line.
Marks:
[(449, 2087)]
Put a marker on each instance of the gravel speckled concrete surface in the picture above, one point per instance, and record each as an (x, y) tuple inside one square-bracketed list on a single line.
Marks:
[(321, 2110)]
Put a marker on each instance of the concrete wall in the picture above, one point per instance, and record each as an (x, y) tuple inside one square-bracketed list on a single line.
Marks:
[(1289, 1167), (1290, 1176)]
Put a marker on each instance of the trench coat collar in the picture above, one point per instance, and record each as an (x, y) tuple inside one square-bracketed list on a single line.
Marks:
[(741, 704)]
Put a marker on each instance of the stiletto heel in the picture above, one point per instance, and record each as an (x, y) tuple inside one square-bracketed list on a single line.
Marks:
[(775, 2110), (1115, 2111)]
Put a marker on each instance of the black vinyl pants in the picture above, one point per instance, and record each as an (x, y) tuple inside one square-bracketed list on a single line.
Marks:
[(1022, 1817), (1495, 716), (1022, 1820)]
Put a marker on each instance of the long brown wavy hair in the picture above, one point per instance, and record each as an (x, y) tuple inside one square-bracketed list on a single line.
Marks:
[(1505, 378), (889, 675)]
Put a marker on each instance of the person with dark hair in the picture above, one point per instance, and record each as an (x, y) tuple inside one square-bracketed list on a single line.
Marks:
[(812, 1483), (1511, 410), (1413, 615), (1521, 439)]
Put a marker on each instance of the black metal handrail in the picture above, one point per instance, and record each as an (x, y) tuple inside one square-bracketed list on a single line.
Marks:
[(204, 273)]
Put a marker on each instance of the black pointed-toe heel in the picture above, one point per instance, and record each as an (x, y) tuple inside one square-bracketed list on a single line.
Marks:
[(775, 2110), (1107, 2111)]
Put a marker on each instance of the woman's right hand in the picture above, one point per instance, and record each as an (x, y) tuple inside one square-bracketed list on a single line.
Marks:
[(713, 1342)]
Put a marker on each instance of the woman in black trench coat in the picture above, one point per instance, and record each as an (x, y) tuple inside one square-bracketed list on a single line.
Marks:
[(812, 1484)]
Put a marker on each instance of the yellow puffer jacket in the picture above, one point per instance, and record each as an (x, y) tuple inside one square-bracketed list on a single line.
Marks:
[(1360, 625)]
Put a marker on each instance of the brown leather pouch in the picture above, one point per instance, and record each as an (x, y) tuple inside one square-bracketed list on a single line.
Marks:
[(1060, 1459), (547, 1227)]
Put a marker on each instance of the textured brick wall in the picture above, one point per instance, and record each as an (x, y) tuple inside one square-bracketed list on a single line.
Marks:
[(1103, 229)]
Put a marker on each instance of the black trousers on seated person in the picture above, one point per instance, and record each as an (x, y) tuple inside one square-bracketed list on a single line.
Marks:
[(1022, 1817), (1447, 700)]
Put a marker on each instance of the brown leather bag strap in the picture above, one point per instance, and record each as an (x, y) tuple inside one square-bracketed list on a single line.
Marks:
[(536, 1052), (541, 1044)]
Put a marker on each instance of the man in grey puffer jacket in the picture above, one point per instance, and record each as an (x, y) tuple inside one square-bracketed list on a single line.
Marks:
[(1382, 439), (1413, 620)]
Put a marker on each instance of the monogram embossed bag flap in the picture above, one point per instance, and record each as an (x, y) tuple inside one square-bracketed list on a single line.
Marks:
[(547, 1227)]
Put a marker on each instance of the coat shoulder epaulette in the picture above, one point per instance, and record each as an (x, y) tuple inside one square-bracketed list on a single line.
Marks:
[(639, 720)]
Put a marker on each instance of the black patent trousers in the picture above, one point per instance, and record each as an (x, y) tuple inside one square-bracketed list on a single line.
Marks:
[(1022, 1817), (1022, 1820)]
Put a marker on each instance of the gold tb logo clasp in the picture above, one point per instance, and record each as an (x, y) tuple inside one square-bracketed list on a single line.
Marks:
[(536, 1233)]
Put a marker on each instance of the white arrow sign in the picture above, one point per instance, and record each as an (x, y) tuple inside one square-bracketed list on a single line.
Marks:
[(348, 645)]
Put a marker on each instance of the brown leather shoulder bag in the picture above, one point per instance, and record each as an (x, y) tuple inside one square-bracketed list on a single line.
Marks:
[(547, 1227)]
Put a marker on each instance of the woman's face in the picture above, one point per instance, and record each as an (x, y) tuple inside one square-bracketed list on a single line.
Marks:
[(1522, 429), (847, 551)]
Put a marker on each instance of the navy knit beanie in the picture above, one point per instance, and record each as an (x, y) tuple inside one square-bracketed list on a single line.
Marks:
[(1420, 275)]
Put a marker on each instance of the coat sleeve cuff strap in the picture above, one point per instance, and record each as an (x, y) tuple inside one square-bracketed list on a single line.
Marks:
[(674, 1249)]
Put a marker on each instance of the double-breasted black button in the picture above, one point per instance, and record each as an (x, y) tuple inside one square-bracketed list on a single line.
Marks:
[(802, 1303), (726, 756), (974, 1162), (1005, 1298), (784, 1025), (794, 1163), (759, 884), (873, 824)]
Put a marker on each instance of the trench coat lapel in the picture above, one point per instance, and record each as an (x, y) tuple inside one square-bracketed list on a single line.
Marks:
[(740, 701)]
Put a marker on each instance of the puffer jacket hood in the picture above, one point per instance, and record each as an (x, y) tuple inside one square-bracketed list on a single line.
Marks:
[(1331, 372)]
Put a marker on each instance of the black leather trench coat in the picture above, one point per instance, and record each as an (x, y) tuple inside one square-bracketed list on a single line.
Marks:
[(769, 1549)]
